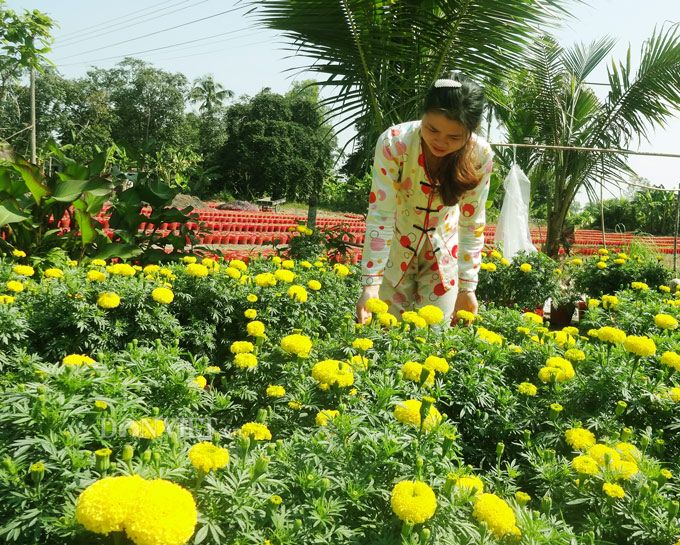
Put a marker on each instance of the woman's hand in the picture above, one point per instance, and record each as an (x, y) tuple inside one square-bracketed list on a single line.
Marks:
[(466, 300), (369, 292)]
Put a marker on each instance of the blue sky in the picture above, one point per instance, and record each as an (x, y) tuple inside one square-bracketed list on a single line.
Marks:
[(245, 58)]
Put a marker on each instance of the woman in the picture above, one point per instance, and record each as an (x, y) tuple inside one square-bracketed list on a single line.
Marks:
[(426, 215)]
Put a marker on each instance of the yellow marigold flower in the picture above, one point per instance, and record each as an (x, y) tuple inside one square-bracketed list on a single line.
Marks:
[(601, 265), (197, 270), (146, 428), (105, 505), (239, 347), (151, 269), (527, 389), (562, 338), (322, 417), (413, 501), (523, 330), (167, 514), (341, 270), (613, 490), (77, 360), (522, 497), (574, 354), (251, 298), (108, 300), (470, 483), (288, 264), (505, 262), (386, 319), (257, 431), (18, 253), (275, 391), (265, 280), (497, 515), (489, 336), (593, 303), (640, 346), (558, 368), (525, 267), (305, 264), (603, 454), (666, 474), (626, 470), (232, 273), (14, 286), (53, 273), (408, 412), (376, 306), (6, 299), (577, 261), (284, 276), (255, 329), (245, 360), (206, 456), (189, 259), (333, 372), (413, 370), (664, 289), (611, 335), (628, 452), (23, 270), (318, 264), (674, 394), (665, 321), (359, 361), (101, 404), (495, 254), (95, 276), (362, 344), (238, 265), (200, 381), (121, 269), (465, 315), (579, 438), (603, 251), (556, 408), (298, 293), (641, 286), (250, 313), (411, 317), (585, 465), (532, 317), (299, 345), (610, 302), (314, 285), (164, 296), (295, 405), (436, 364), (212, 370), (276, 260), (431, 314)]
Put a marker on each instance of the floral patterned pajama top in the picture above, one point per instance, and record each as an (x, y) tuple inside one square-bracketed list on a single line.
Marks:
[(404, 211)]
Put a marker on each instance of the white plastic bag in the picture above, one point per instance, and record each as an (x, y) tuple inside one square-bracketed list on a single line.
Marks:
[(512, 228)]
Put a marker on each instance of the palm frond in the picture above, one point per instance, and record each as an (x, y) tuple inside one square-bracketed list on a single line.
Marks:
[(580, 60)]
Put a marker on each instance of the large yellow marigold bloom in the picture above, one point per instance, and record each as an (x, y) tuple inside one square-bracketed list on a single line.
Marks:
[(265, 280), (146, 428), (197, 270), (275, 391), (322, 417), (413, 501), (164, 296), (14, 286), (489, 336), (121, 269), (23, 270), (435, 363), (333, 372), (671, 359), (298, 293), (206, 456), (285, 276), (431, 314), (640, 345), (412, 370), (244, 360), (105, 505), (613, 490), (579, 438), (257, 431), (95, 276), (108, 300), (77, 360), (497, 514), (611, 334), (527, 389), (376, 306), (362, 344), (408, 412), (585, 465), (628, 452), (255, 329), (297, 344), (470, 482), (556, 368), (166, 514), (241, 347), (602, 453)]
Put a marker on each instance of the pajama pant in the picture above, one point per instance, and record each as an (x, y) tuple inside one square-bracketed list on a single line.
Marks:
[(416, 288)]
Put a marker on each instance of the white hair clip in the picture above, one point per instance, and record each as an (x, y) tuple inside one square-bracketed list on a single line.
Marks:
[(448, 83)]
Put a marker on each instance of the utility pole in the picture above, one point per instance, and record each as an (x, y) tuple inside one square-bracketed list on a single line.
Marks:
[(34, 157)]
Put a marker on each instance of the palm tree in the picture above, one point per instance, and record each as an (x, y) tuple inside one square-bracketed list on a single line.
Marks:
[(380, 56), (550, 103), (208, 94)]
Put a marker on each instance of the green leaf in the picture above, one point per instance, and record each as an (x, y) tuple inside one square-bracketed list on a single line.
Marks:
[(30, 173), (70, 190), (87, 231), (9, 213), (124, 251), (97, 164)]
